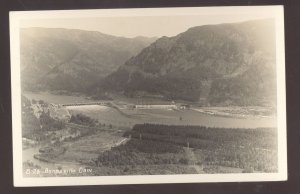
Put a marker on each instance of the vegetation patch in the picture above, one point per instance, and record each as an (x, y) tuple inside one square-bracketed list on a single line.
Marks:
[(208, 150)]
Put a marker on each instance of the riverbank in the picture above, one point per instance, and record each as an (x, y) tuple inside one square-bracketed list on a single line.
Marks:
[(238, 112)]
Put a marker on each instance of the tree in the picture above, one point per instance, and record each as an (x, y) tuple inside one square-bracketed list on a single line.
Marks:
[(82, 119)]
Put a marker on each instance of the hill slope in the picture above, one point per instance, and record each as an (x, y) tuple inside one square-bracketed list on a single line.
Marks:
[(66, 59), (226, 64)]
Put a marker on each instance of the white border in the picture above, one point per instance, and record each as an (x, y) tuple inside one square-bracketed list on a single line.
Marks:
[(19, 180)]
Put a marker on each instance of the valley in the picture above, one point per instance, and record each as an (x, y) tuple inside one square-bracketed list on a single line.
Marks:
[(111, 127), (200, 102)]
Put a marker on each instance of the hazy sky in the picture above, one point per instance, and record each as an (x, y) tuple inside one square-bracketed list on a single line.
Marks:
[(150, 26)]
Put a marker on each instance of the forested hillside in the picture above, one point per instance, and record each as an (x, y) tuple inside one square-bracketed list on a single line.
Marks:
[(72, 60), (225, 64)]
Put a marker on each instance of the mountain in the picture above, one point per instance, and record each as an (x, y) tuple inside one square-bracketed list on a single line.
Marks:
[(72, 60), (224, 64)]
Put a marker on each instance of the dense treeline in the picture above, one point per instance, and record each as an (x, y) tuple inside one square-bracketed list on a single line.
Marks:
[(142, 152), (248, 149), (50, 124), (29, 122), (260, 137), (34, 127), (144, 170), (177, 140), (244, 158), (82, 119), (31, 126)]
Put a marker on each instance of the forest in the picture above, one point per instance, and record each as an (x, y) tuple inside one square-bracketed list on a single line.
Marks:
[(249, 150)]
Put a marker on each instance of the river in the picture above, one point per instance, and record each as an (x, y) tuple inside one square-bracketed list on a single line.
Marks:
[(128, 117)]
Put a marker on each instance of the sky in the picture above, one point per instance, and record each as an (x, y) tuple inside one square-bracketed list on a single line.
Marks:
[(132, 26)]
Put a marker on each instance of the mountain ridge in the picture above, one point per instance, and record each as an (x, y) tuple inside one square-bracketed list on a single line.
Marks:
[(226, 64), (76, 58)]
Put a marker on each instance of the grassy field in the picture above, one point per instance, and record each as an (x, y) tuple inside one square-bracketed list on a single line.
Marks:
[(87, 148)]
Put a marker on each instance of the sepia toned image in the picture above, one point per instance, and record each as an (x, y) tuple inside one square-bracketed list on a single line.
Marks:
[(159, 95)]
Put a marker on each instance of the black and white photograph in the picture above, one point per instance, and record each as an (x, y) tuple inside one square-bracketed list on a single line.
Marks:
[(156, 95)]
